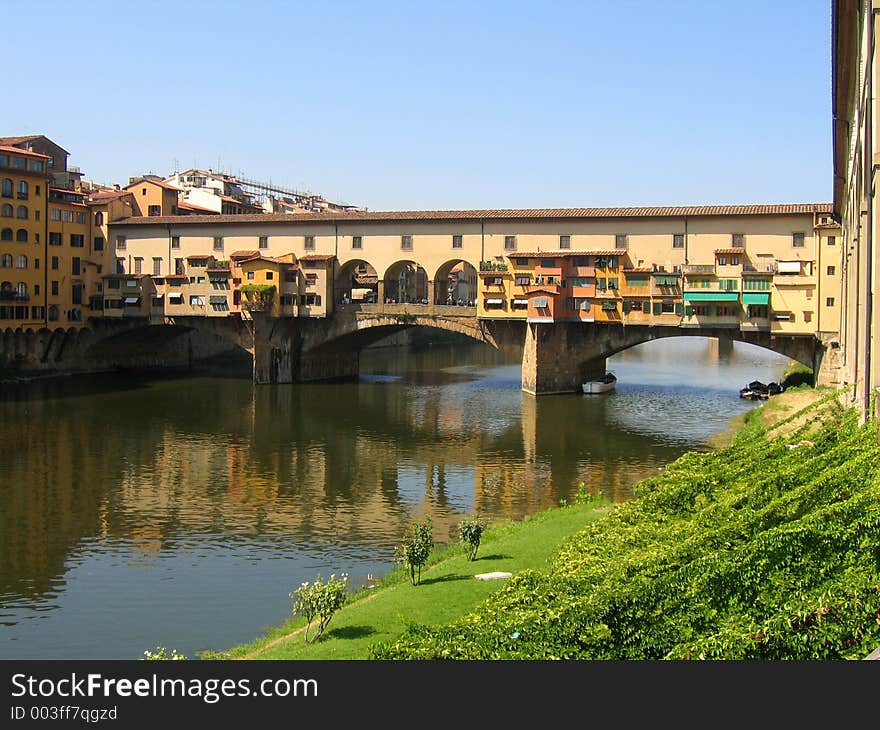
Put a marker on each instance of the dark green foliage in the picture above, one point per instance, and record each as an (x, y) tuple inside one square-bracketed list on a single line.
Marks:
[(757, 551), (416, 548), (470, 533)]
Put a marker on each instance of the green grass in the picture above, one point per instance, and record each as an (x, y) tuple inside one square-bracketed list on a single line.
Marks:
[(447, 591)]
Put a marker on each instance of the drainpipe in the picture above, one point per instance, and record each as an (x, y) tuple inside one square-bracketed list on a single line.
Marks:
[(869, 235)]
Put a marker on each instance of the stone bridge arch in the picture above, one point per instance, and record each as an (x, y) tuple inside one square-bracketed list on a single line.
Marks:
[(406, 282), (355, 274), (558, 357), (455, 281)]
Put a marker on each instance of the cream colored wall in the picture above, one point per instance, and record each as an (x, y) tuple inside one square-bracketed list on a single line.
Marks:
[(829, 285)]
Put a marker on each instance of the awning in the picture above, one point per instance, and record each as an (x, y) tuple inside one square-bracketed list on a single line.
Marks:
[(132, 300), (540, 302), (175, 297), (521, 301), (788, 267), (756, 298), (714, 296), (217, 300), (494, 301)]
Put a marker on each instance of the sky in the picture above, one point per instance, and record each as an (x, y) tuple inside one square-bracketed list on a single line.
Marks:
[(439, 105)]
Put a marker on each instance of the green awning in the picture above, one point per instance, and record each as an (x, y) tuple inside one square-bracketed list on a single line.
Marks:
[(714, 296), (756, 298)]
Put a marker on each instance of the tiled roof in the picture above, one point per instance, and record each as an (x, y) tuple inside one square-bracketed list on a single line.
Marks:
[(19, 151), (102, 195), (160, 183), (243, 254), (318, 257), (730, 250), (67, 192), (189, 206), (200, 256), (497, 214), (28, 138), (270, 259), (640, 270)]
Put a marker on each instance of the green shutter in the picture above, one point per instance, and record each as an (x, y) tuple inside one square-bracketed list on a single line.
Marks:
[(678, 308), (646, 307), (688, 310), (658, 308)]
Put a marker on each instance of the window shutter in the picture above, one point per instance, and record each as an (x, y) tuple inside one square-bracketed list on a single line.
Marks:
[(658, 308), (646, 307), (688, 310), (678, 308)]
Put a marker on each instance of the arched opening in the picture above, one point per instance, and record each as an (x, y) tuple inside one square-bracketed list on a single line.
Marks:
[(21, 212), (6, 210), (455, 284), (21, 235), (53, 313), (357, 282), (406, 283), (6, 234)]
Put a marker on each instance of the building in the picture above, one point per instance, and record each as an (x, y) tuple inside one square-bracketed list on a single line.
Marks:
[(855, 205), (770, 268), (212, 192), (24, 189)]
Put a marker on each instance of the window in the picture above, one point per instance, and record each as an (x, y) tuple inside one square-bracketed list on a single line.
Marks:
[(6, 234), (143, 191), (309, 243), (74, 266), (21, 212), (6, 261), (21, 235), (310, 299), (175, 241), (54, 214), (66, 216), (120, 243), (21, 262), (264, 242), (81, 218), (548, 263), (55, 262), (36, 215), (750, 284), (621, 241), (154, 210), (138, 265), (831, 271), (582, 281), (728, 284), (457, 242), (250, 275), (311, 279), (218, 243), (120, 266), (406, 243), (678, 240), (522, 280), (722, 260), (738, 240), (54, 288), (157, 266), (808, 316), (290, 277), (77, 240), (178, 266), (98, 243), (6, 210), (612, 283), (565, 242), (832, 240), (99, 219), (600, 283), (76, 294), (521, 262), (270, 275), (113, 284), (357, 242), (22, 190), (196, 300), (797, 240), (758, 310), (6, 188), (829, 302), (510, 243)]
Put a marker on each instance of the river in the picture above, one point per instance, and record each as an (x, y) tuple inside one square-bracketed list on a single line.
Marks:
[(173, 510)]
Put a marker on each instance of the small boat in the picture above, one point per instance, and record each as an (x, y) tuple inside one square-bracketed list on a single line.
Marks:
[(604, 384)]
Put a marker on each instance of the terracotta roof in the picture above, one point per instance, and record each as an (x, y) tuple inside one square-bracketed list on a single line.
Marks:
[(160, 183), (730, 250), (499, 214), (270, 259), (538, 288), (189, 206), (318, 257), (243, 254), (19, 151), (19, 140), (200, 256), (176, 276), (67, 192), (640, 270), (107, 195)]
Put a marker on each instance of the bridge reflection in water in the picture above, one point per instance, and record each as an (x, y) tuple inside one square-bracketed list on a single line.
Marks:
[(184, 510)]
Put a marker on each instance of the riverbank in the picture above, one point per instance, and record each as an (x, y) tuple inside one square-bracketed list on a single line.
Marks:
[(396, 620)]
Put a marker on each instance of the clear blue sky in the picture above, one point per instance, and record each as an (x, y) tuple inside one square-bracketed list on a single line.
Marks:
[(408, 105)]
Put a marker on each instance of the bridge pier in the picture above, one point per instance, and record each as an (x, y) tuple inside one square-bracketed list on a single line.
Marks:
[(559, 357)]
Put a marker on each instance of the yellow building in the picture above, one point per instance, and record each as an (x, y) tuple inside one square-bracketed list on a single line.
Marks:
[(69, 266), (23, 193), (270, 284)]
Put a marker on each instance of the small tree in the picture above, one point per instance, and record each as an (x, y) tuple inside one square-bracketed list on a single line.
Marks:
[(470, 532), (319, 600), (416, 547)]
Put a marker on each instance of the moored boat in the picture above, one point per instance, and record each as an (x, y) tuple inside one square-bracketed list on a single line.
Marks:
[(601, 385)]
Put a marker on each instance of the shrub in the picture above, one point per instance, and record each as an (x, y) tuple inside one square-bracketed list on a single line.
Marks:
[(416, 547), (470, 532), (161, 653), (319, 600)]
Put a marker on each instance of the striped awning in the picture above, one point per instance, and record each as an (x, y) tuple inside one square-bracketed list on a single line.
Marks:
[(711, 296), (756, 298)]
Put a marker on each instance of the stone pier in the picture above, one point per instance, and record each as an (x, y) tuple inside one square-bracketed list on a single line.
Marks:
[(559, 357)]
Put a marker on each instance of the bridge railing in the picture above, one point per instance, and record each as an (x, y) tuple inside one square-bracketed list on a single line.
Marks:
[(409, 309)]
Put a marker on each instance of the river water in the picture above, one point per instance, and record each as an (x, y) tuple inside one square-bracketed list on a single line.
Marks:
[(181, 511)]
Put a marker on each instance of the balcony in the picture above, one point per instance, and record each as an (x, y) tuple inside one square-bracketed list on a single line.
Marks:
[(11, 296), (752, 270), (698, 269)]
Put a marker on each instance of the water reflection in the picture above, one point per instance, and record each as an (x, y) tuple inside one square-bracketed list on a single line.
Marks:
[(181, 511)]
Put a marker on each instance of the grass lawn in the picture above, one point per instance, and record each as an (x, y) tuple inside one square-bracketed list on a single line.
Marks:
[(447, 590)]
